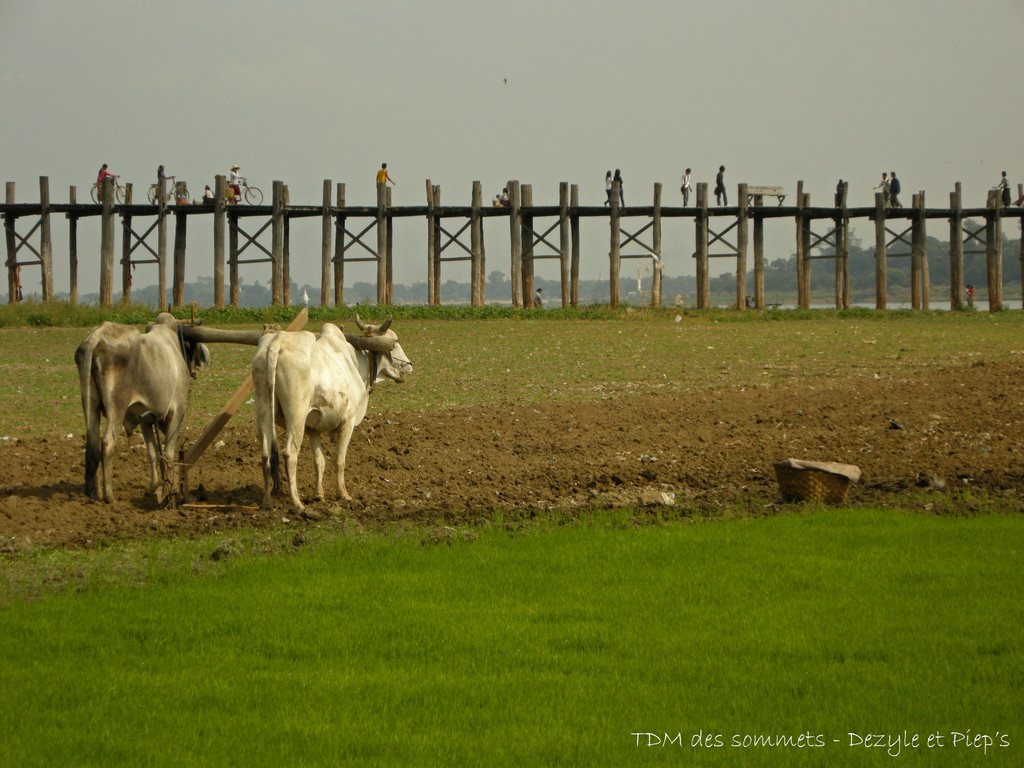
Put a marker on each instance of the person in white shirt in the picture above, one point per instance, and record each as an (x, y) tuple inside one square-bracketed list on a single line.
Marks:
[(235, 180), (684, 187)]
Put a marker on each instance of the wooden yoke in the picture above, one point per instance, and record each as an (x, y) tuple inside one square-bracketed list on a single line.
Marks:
[(230, 408)]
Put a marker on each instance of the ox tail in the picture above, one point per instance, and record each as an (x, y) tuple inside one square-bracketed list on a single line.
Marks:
[(91, 405), (273, 352)]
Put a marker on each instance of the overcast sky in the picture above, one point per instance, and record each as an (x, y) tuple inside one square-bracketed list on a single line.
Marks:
[(538, 90)]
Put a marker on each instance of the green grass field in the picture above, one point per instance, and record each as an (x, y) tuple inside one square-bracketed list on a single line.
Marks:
[(598, 643), (547, 356)]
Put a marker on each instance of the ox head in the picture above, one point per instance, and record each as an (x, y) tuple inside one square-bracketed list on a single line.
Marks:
[(195, 353), (382, 342)]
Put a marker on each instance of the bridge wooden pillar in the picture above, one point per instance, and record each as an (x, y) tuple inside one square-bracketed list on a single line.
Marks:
[(658, 268), (563, 241), (994, 251), (741, 249), (45, 243), (325, 246), (435, 258), (10, 221), (803, 263), (614, 251), (574, 233), (232, 216), (842, 230), (339, 245), (219, 258), (286, 251), (180, 235), (389, 256), (956, 250), (161, 243), (277, 245), (526, 217), (382, 244), (515, 225), (701, 238), (73, 247), (477, 276), (758, 251), (126, 248), (880, 256), (1020, 197), (919, 293), (107, 243), (431, 245)]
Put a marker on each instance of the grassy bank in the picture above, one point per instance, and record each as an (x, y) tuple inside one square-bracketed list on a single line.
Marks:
[(554, 646), (528, 358)]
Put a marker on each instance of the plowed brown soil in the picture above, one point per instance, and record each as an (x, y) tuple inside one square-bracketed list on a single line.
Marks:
[(944, 438)]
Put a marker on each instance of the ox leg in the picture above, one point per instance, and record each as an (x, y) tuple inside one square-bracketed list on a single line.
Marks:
[(293, 442), (344, 435), (169, 466), (318, 462), (149, 439), (270, 459), (93, 455), (107, 464)]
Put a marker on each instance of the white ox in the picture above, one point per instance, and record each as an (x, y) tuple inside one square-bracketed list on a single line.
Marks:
[(135, 379), (316, 384)]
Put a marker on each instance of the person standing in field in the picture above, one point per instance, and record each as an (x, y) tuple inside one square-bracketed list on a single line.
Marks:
[(383, 177), (684, 187), (894, 190), (537, 300), (721, 195)]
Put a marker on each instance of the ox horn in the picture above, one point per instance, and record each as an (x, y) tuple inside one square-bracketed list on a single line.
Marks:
[(376, 330), (371, 343)]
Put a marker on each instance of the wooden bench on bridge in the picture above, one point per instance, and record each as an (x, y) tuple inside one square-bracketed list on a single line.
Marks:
[(755, 192)]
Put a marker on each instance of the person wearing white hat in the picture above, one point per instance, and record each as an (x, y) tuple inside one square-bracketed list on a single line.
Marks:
[(235, 180)]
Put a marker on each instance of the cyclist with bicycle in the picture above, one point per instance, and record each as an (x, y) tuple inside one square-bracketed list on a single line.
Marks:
[(104, 173), (235, 181)]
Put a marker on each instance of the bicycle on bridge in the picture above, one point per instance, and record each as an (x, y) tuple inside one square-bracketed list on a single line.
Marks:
[(172, 189), (252, 195), (120, 192)]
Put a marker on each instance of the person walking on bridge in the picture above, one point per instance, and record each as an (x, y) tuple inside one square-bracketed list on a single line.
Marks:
[(894, 191), (721, 195), (684, 187), (884, 186)]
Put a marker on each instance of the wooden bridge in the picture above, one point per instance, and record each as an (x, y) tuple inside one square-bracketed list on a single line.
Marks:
[(720, 232)]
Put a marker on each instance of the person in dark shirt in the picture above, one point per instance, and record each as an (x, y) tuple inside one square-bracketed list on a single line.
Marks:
[(894, 190)]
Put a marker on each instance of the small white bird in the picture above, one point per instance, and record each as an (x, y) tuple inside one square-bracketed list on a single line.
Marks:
[(305, 296)]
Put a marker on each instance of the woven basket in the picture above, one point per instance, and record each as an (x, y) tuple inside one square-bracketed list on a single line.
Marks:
[(809, 484)]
